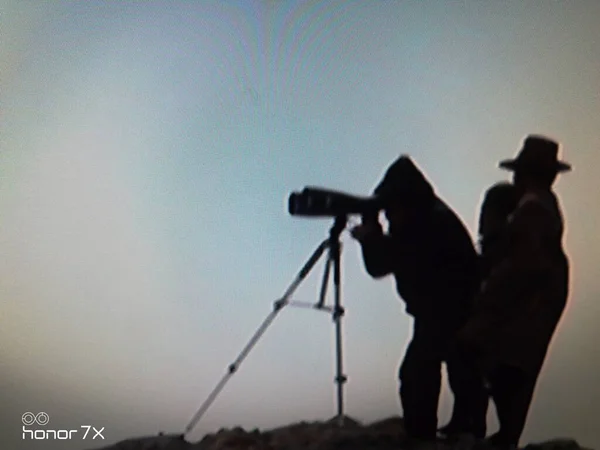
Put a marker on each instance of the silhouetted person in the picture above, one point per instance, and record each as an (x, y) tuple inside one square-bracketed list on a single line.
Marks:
[(499, 202), (469, 412), (523, 297), (434, 262)]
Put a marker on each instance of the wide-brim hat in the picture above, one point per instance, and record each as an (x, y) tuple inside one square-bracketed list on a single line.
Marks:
[(538, 154)]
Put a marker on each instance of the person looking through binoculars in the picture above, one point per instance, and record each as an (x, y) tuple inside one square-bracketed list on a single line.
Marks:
[(433, 259)]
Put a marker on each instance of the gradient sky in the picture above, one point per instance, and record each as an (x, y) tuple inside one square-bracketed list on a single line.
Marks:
[(147, 151)]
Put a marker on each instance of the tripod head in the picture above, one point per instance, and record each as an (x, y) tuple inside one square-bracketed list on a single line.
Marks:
[(339, 224)]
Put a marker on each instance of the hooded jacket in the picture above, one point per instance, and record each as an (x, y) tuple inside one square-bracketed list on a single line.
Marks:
[(431, 256)]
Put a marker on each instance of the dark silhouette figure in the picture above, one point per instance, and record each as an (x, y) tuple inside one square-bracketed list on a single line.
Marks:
[(469, 413), (524, 292), (434, 262), (499, 202)]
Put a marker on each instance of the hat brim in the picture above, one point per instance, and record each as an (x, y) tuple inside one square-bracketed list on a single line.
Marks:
[(513, 164)]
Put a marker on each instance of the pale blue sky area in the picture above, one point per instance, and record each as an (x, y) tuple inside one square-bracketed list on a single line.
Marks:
[(147, 151)]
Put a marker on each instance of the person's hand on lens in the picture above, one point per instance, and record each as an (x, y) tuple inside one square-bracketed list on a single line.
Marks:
[(363, 230)]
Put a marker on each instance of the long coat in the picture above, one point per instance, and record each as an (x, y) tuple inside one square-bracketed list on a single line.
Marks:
[(523, 298)]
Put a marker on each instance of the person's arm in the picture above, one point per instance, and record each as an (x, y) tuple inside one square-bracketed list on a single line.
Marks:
[(378, 249), (378, 255), (534, 223)]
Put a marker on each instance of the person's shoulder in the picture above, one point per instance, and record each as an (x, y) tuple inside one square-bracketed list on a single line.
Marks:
[(500, 190), (441, 209), (540, 199), (445, 217), (499, 199), (500, 186), (538, 207)]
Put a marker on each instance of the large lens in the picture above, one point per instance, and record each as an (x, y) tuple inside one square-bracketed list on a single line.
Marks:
[(321, 202), (293, 203), (307, 203)]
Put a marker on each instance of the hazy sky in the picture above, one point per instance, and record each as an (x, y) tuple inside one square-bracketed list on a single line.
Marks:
[(147, 153)]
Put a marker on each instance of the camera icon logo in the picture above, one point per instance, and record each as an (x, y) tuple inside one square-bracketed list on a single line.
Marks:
[(30, 418)]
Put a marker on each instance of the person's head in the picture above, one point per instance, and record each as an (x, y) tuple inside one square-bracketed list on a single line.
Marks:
[(396, 214), (525, 178), (537, 164), (405, 191)]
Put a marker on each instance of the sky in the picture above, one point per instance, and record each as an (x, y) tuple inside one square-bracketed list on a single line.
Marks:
[(147, 152)]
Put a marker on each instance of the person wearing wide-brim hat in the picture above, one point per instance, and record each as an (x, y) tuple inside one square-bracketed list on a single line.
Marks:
[(537, 158), (524, 295)]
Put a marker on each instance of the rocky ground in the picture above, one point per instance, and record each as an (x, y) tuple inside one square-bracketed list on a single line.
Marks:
[(381, 435)]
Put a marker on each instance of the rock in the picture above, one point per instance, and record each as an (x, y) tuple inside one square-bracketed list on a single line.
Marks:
[(555, 444), (162, 442), (385, 434)]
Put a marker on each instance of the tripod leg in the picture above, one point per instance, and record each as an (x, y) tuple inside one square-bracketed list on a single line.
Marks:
[(338, 313), (231, 370), (324, 283), (279, 304), (305, 270)]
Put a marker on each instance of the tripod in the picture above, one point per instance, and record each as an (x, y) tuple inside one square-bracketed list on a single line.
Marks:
[(332, 243)]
